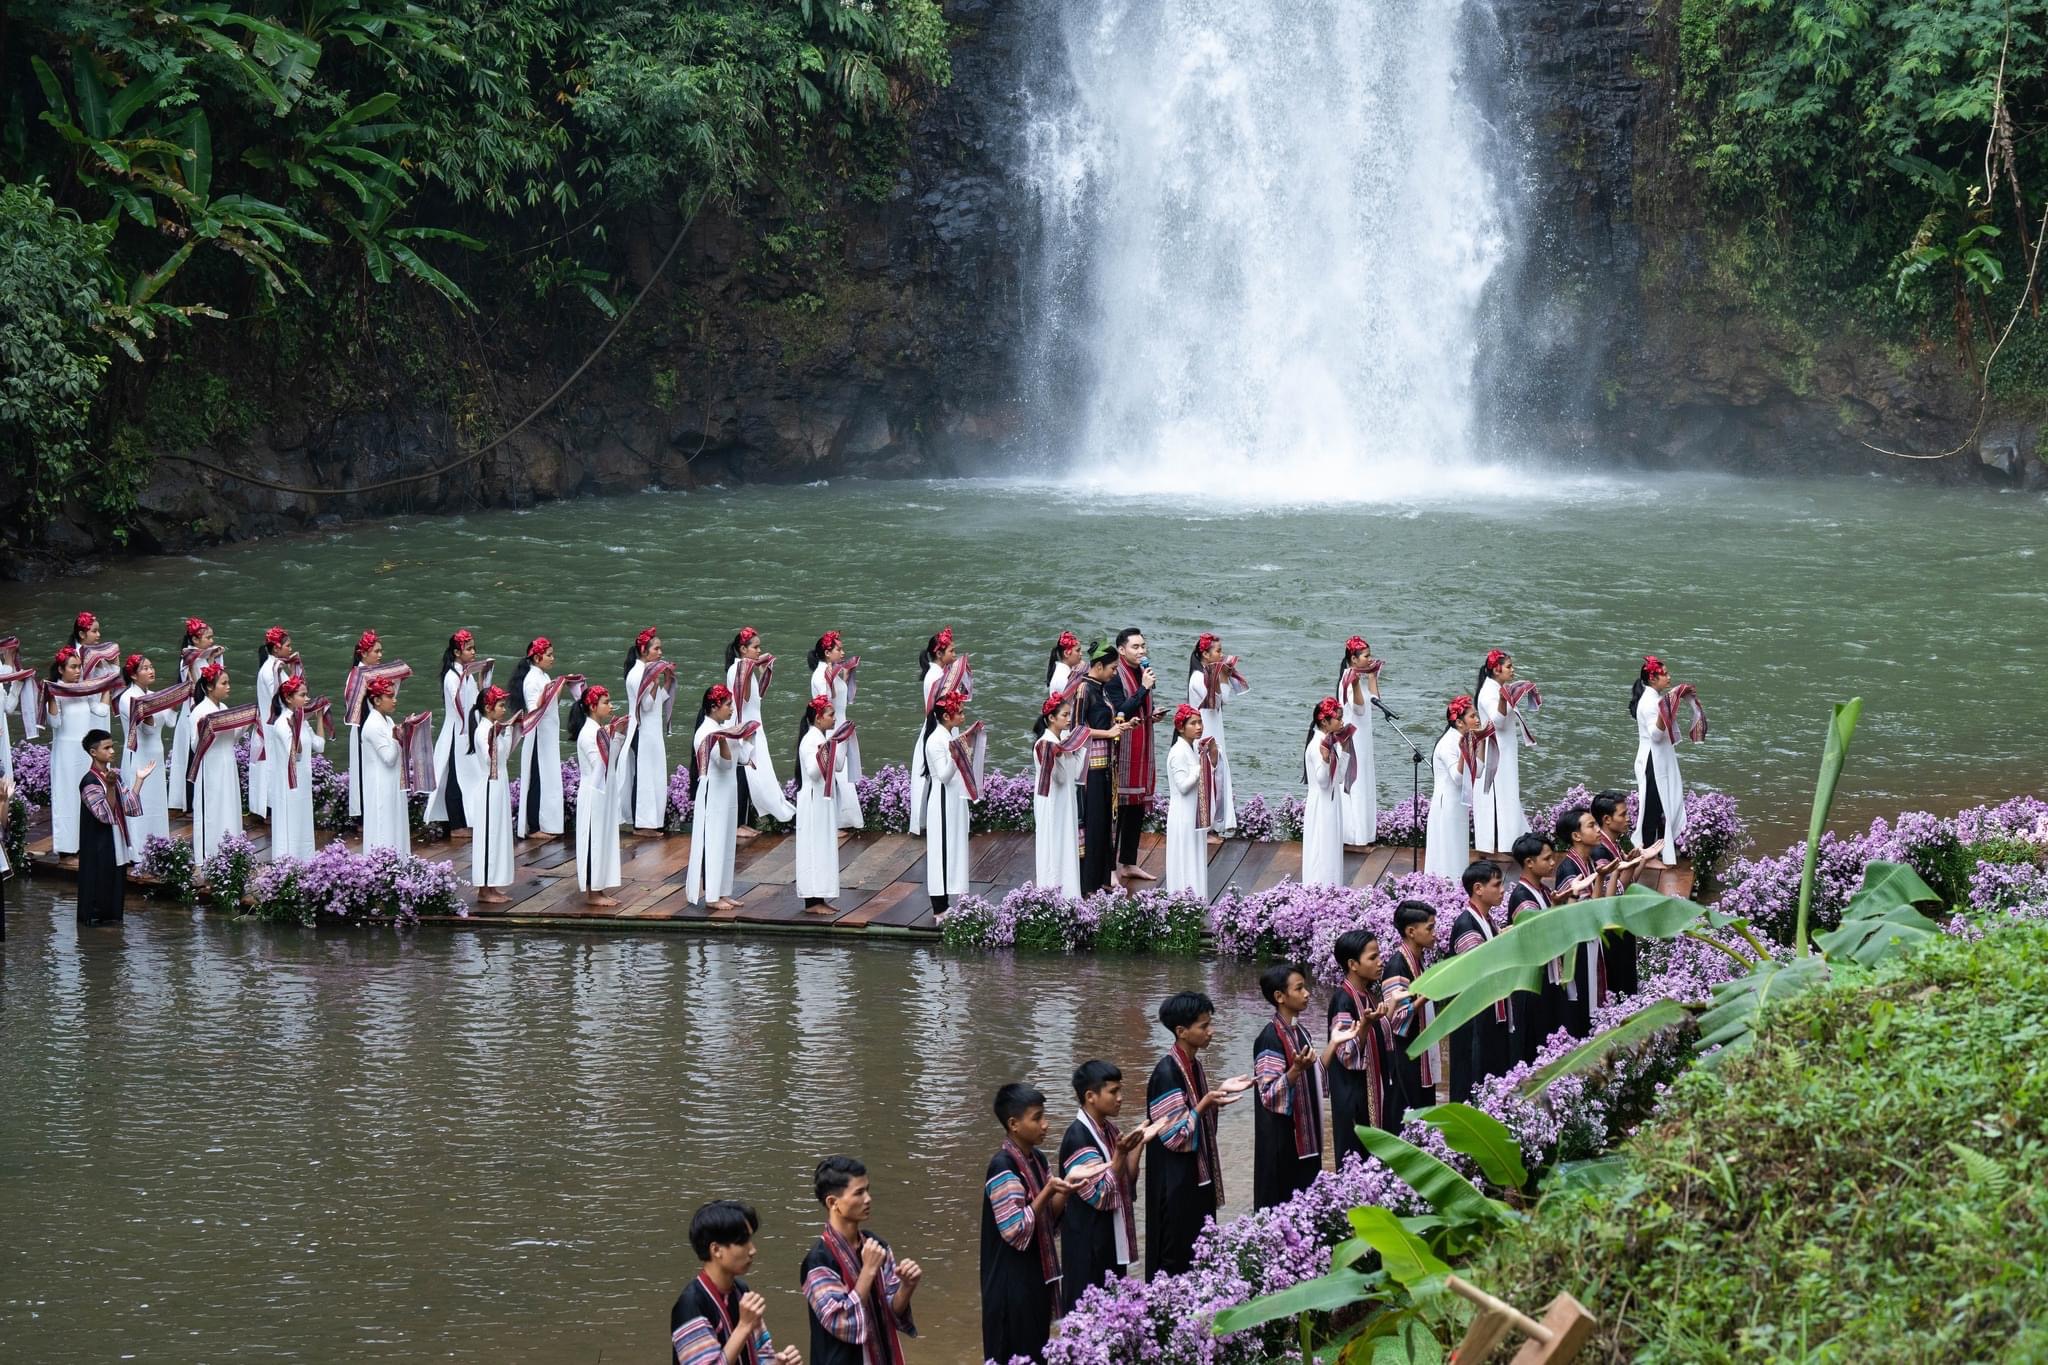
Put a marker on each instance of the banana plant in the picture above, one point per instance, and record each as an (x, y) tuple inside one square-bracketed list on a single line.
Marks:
[(1403, 1290)]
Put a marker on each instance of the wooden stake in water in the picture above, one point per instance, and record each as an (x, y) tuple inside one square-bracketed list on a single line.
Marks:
[(1559, 1337)]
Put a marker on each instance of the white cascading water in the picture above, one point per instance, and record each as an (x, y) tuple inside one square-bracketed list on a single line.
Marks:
[(1267, 225)]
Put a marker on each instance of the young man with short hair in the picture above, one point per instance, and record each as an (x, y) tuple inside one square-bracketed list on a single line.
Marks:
[(1287, 1129), (1183, 1169), (1610, 813), (1484, 1045), (1412, 1080), (1020, 1206), (1099, 1162), (1358, 1070), (857, 1291), (717, 1320)]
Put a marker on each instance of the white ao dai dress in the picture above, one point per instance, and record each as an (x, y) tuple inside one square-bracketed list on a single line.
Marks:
[(817, 819), (1447, 849), (1187, 844)]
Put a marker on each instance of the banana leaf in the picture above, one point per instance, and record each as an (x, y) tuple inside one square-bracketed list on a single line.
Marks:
[(1479, 1135), (1652, 1019), (1480, 997), (1407, 1258), (1534, 940), (1841, 728), (1323, 1294), (1730, 1022), (1449, 1193), (1883, 917)]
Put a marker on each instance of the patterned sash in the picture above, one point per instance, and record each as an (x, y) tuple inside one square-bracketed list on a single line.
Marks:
[(110, 794), (1222, 680), (882, 1346), (1041, 1226), (1518, 697), (355, 692), (745, 670), (529, 721), (735, 732), (226, 721), (315, 712), (1479, 754), (1426, 1011), (1305, 1105), (828, 752), (48, 691), (10, 651), (93, 658), (1465, 943), (613, 729), (957, 676), (1337, 744), (1667, 713), (1137, 772), (1205, 789), (970, 747), (1347, 676), (415, 736), (1208, 1170), (148, 705), (1369, 1052), (841, 672), (1048, 752)]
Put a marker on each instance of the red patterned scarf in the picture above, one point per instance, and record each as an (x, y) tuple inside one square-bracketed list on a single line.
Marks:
[(1042, 1225), (739, 733), (226, 721), (48, 692), (1205, 789), (842, 672), (970, 747), (828, 752), (1048, 751), (1667, 713), (745, 671), (1479, 754), (957, 676), (1222, 680), (1208, 1170), (355, 691), (1518, 697), (882, 1346), (1368, 1049), (1336, 745), (415, 735), (1305, 1098), (148, 705), (528, 721), (1137, 772)]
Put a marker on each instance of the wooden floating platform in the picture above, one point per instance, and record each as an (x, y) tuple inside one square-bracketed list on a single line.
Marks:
[(881, 879)]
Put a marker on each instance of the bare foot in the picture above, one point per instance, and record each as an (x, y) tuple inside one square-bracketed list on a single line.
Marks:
[(647, 833), (746, 832), (1140, 873), (598, 898), (492, 896), (828, 908), (725, 903), (1215, 840)]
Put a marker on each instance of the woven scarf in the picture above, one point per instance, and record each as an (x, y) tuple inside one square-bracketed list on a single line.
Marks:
[(1041, 1226), (969, 747), (1305, 1100), (828, 752), (1208, 1170), (1518, 697), (355, 692), (1479, 754), (1137, 770), (1667, 713), (739, 733), (1048, 751), (1369, 1052), (881, 1346), (1222, 680), (145, 706)]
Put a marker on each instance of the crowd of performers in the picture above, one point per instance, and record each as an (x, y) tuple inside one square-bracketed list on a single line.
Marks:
[(1055, 1224), (1096, 758)]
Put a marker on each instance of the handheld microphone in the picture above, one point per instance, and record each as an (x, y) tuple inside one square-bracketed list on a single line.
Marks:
[(1381, 707)]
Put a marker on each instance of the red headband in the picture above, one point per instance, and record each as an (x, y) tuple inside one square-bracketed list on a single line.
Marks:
[(1653, 664), (1204, 643), (748, 635), (594, 694), (210, 675), (193, 626), (944, 639), (952, 704), (292, 683), (1069, 640), (1052, 704), (829, 640), (1356, 645), (541, 645), (1495, 658), (86, 621), (1328, 708), (366, 642), (641, 640), (128, 665), (820, 704), (1458, 708), (276, 636), (461, 638), (493, 697), (1183, 714), (719, 695), (65, 653), (381, 687)]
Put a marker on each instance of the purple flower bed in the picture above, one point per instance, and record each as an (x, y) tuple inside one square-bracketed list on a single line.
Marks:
[(32, 772), (226, 875), (1406, 823), (680, 808), (1302, 923), (1041, 919), (338, 886)]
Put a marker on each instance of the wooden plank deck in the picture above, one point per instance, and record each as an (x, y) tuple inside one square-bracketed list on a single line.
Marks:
[(881, 878)]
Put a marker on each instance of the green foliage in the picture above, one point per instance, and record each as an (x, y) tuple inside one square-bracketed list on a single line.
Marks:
[(1861, 1185), (1841, 729), (1843, 144), (53, 352)]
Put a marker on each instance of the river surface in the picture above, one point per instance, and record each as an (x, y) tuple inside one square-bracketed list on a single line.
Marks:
[(1773, 598), (229, 1142)]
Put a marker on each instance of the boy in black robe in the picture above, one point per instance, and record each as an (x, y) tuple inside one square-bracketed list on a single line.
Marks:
[(857, 1291), (1412, 1080), (1358, 1070), (717, 1306), (1610, 813), (104, 850), (1287, 1128), (1486, 1044), (1099, 1162), (1021, 1202), (1092, 709), (1183, 1169), (1537, 863)]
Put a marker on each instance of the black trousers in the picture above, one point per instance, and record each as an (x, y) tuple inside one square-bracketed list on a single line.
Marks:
[(1098, 839), (1130, 823)]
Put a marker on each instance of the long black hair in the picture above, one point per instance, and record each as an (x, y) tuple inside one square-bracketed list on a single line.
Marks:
[(929, 655), (579, 711), (1052, 660), (704, 709), (804, 727), (263, 654), (1309, 738), (1486, 673), (192, 636), (358, 653), (526, 666), (76, 634), (732, 650), (448, 655), (1635, 694), (1044, 721), (817, 654), (276, 702), (633, 654)]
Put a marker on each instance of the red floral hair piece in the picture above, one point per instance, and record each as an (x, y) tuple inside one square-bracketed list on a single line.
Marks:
[(645, 638), (944, 639), (829, 640), (366, 642), (210, 675), (1069, 640), (820, 704), (275, 636), (193, 626), (461, 638), (381, 687), (1329, 708), (293, 682), (748, 635), (1184, 713), (539, 645), (1204, 642), (86, 621), (951, 704), (493, 697), (66, 653), (1495, 658), (1052, 704), (1653, 664), (1356, 645), (130, 664), (594, 694), (719, 695), (1459, 708)]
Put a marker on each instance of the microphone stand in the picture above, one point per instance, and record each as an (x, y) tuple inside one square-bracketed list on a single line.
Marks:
[(1414, 783)]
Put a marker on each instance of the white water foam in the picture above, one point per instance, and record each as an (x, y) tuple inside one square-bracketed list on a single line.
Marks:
[(1266, 228)]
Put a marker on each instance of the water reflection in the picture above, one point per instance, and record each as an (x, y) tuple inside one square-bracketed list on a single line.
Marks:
[(239, 1142)]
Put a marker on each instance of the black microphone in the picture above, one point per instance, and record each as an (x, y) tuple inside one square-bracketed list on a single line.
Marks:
[(1381, 707)]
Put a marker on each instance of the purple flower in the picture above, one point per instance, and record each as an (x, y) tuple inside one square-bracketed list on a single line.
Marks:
[(32, 772)]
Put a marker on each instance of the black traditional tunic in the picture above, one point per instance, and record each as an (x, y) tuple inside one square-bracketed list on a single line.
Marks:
[(1020, 1269), (1411, 1081), (1183, 1170), (1100, 1207), (1135, 703), (1358, 1071), (1098, 792), (1484, 1045), (846, 1330), (1287, 1130), (1621, 944), (1544, 1013), (103, 808), (701, 1323)]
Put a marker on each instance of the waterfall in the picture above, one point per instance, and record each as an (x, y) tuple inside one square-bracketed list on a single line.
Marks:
[(1265, 231)]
